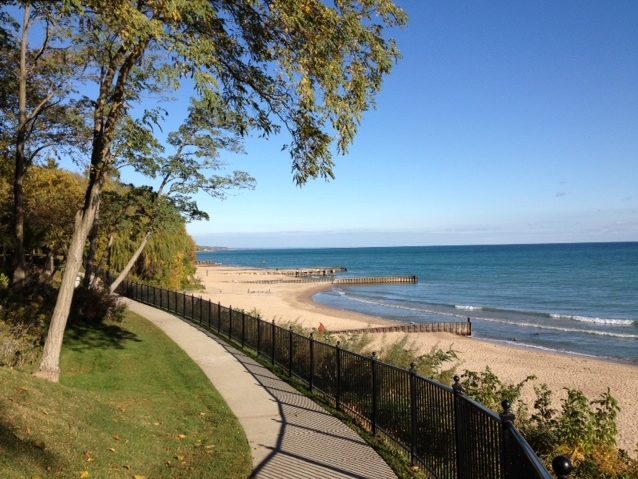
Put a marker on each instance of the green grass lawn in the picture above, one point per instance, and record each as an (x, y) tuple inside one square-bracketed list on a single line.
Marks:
[(130, 404)]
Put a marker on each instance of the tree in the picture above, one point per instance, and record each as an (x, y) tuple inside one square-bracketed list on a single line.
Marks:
[(196, 144), (43, 118), (52, 196), (308, 66), (127, 216)]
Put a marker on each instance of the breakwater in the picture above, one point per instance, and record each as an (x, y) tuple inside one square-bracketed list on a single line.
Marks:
[(343, 281), (460, 328)]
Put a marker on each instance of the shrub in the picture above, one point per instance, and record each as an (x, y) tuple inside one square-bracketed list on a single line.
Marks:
[(487, 388), (582, 429), (20, 345), (24, 314), (403, 353), (4, 282), (95, 305)]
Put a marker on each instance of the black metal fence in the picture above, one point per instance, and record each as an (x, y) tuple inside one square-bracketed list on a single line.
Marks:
[(443, 431)]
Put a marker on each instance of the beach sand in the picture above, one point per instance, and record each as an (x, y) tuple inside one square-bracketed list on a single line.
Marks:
[(245, 288)]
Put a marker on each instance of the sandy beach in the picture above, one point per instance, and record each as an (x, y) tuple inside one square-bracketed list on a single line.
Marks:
[(249, 289)]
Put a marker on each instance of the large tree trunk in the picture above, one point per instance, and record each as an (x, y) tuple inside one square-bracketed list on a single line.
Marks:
[(109, 108), (19, 270), (131, 262), (49, 366), (89, 263)]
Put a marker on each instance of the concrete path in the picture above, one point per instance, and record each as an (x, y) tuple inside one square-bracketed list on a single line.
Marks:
[(290, 436)]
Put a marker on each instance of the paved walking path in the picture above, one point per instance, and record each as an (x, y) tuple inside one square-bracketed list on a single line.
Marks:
[(290, 436)]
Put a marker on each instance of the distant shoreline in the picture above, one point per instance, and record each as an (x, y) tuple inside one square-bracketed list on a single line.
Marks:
[(212, 249)]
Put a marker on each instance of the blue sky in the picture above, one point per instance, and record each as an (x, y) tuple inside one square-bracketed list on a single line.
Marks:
[(504, 122)]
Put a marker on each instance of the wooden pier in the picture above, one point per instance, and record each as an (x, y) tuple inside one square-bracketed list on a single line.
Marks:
[(343, 281), (378, 280), (312, 271), (458, 328)]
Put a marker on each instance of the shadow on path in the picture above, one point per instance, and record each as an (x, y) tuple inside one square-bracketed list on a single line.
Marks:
[(311, 443)]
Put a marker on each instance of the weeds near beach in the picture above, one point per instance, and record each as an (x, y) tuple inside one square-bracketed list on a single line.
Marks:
[(401, 353), (583, 429)]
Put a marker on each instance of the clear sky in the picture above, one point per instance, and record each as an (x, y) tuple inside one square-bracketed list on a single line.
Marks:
[(504, 122)]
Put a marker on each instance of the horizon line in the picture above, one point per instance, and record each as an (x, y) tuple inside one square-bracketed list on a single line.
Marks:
[(451, 245)]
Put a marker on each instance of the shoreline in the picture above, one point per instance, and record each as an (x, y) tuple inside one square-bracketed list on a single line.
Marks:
[(292, 302)]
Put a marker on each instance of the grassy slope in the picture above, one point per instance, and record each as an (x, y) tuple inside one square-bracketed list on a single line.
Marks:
[(130, 403)]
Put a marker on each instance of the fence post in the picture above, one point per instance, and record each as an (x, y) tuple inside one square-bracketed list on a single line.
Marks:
[(338, 391), (413, 414), (312, 361), (507, 422), (168, 300), (259, 321), (562, 466), (184, 304), (230, 323), (193, 307), (210, 312), (272, 356), (243, 327), (373, 365), (458, 435), (290, 351), (201, 310), (469, 325), (219, 318)]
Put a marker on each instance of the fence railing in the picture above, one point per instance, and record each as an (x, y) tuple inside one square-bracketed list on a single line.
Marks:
[(442, 431)]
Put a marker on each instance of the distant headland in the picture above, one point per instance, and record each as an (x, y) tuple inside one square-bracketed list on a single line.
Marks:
[(210, 249)]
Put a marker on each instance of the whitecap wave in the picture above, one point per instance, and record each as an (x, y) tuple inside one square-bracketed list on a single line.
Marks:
[(468, 308), (587, 319), (565, 330), (399, 306)]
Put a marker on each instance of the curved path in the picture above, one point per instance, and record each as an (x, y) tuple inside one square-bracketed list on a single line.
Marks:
[(290, 436)]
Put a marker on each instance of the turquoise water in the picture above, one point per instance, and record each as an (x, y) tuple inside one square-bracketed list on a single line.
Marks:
[(577, 298)]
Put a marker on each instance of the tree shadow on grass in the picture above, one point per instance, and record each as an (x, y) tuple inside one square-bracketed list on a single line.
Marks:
[(25, 451), (81, 337)]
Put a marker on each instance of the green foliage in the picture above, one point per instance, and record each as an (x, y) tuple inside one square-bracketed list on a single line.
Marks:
[(582, 429), (488, 389), (357, 343), (403, 354), (52, 197), (306, 66), (127, 215)]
